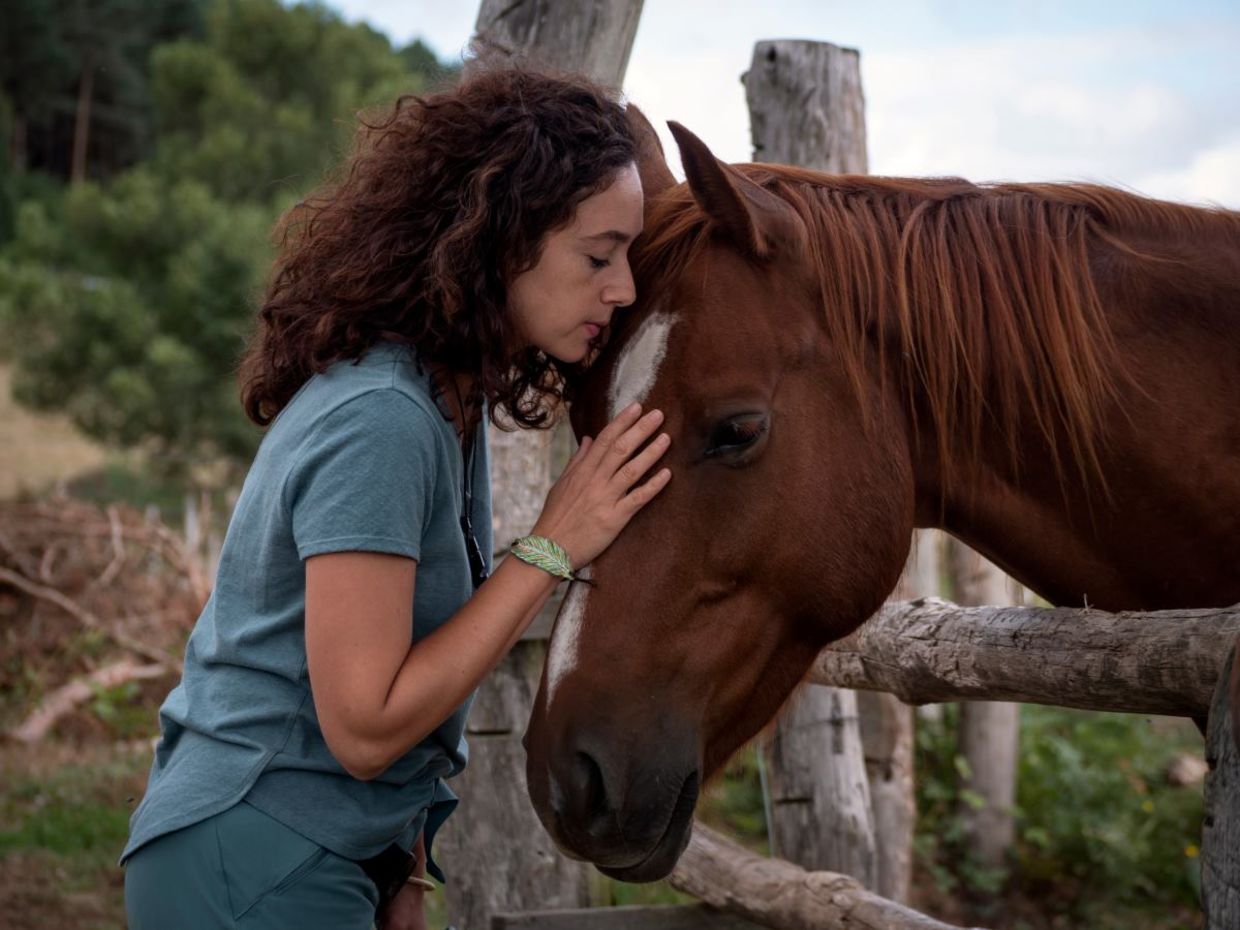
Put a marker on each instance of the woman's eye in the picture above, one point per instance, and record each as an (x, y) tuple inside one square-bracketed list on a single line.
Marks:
[(736, 434), (598, 262)]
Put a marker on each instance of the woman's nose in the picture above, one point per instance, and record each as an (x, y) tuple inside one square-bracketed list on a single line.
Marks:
[(621, 291)]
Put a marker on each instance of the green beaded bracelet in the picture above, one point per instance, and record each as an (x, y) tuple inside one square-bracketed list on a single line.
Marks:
[(546, 554)]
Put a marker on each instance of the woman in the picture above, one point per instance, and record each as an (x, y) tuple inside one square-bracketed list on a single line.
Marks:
[(464, 264)]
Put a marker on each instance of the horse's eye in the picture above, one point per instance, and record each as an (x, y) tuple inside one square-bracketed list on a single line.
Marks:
[(737, 433)]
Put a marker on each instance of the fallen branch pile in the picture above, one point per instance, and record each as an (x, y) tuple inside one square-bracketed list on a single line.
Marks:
[(90, 598)]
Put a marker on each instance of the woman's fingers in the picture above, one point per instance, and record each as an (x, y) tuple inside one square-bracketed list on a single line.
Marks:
[(621, 448), (641, 463), (612, 432), (579, 453), (643, 494)]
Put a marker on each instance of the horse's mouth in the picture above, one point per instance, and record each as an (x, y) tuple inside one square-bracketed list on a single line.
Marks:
[(661, 859)]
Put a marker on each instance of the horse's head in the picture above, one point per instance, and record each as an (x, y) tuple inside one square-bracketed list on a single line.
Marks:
[(785, 524)]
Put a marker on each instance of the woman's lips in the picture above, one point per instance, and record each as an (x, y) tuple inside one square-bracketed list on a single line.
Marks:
[(593, 329)]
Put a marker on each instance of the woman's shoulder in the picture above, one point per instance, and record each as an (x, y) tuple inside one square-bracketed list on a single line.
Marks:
[(384, 386)]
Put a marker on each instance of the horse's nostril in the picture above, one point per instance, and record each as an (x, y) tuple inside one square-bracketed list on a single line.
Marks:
[(589, 791)]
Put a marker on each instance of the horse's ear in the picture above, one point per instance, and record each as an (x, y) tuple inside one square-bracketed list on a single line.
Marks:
[(651, 163), (756, 221)]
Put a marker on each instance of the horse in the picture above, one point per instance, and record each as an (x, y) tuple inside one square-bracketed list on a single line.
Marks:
[(1049, 372)]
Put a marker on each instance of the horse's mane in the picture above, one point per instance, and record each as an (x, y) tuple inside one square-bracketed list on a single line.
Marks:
[(987, 293)]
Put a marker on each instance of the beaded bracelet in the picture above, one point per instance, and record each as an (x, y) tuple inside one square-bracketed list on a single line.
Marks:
[(546, 554)]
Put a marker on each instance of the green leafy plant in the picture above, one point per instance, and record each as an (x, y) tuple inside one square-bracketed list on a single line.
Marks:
[(1100, 830)]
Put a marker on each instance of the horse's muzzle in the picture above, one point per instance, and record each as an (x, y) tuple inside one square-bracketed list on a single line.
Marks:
[(628, 813)]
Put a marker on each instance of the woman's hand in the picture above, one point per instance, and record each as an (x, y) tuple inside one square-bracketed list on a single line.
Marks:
[(405, 911), (595, 497)]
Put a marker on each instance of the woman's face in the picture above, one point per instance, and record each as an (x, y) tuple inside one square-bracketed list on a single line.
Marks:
[(582, 275)]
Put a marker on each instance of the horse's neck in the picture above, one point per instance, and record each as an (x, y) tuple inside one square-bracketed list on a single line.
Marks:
[(1159, 525)]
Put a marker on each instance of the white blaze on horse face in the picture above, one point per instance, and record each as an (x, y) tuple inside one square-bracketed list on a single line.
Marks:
[(638, 369), (562, 653), (634, 375)]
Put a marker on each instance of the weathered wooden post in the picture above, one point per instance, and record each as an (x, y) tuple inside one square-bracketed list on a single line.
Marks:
[(806, 108), (496, 853), (887, 734), (1220, 830), (989, 730)]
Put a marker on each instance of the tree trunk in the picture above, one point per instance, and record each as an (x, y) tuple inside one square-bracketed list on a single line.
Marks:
[(81, 127), (593, 38), (18, 146), (989, 730), (496, 851), (805, 108)]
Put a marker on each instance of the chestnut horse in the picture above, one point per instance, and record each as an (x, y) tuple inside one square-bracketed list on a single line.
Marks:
[(1050, 373)]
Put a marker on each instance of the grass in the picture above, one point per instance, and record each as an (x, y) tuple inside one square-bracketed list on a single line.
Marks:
[(64, 817), (38, 451)]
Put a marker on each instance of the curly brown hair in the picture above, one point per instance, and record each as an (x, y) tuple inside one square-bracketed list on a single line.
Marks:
[(442, 201)]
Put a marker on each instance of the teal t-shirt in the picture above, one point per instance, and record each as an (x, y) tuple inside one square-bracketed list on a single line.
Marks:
[(361, 459)]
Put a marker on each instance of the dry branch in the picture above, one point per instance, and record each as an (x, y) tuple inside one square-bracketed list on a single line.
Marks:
[(784, 896), (66, 698), (88, 619), (923, 651), (118, 550)]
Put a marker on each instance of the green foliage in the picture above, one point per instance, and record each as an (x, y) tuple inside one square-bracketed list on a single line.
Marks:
[(266, 104), (127, 304), (121, 710), (1097, 821), (1097, 806), (35, 61), (129, 311), (940, 840), (733, 802), (73, 68)]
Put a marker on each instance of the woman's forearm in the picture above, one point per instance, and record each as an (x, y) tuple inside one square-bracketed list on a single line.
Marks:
[(441, 670)]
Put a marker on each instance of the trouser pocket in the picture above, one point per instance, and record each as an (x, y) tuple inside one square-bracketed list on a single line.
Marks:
[(261, 856)]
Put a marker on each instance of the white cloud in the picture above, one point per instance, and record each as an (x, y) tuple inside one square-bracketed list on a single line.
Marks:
[(1036, 108), (1212, 176)]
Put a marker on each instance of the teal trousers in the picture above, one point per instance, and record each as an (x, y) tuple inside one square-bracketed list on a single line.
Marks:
[(244, 869)]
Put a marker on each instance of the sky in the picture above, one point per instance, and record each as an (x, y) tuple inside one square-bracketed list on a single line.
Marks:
[(1141, 94)]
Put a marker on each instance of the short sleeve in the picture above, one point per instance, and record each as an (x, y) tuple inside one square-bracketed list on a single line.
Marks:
[(365, 479)]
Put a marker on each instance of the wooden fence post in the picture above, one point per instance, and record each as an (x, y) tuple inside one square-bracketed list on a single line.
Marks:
[(989, 730), (805, 108), (888, 732), (1220, 831), (496, 853)]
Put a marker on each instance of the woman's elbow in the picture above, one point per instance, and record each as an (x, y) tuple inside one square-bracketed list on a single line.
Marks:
[(361, 758), (363, 769), (366, 755)]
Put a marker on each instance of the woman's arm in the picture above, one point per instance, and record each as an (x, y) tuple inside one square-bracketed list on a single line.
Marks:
[(377, 696)]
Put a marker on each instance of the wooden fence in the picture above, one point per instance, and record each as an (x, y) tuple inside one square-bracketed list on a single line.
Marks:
[(1167, 662)]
